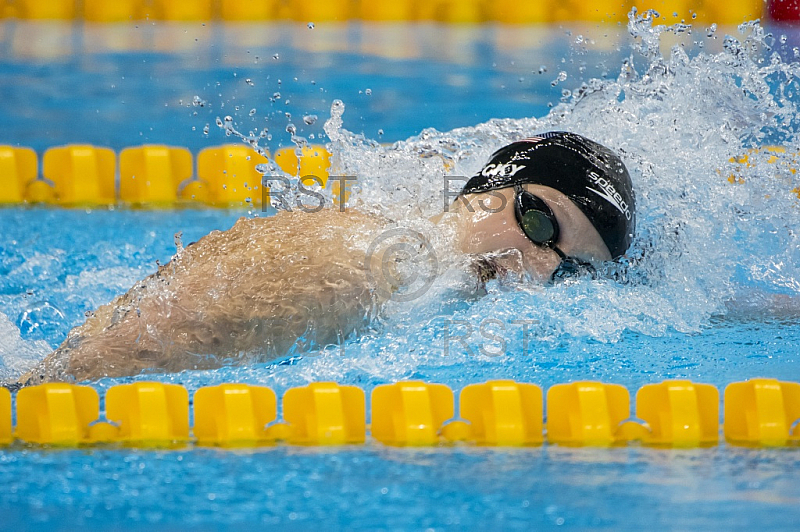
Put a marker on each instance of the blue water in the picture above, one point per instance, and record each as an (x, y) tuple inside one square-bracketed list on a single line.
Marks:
[(137, 83), (712, 300)]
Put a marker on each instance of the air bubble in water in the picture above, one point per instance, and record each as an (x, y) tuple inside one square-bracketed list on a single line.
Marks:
[(310, 119), (562, 76), (205, 129), (368, 92), (197, 101), (310, 25), (542, 69), (252, 111), (291, 129)]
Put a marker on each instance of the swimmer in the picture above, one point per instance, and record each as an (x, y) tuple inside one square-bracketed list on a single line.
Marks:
[(562, 202), (545, 207)]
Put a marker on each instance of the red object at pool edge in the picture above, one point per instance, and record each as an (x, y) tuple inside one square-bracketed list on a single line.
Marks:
[(784, 10)]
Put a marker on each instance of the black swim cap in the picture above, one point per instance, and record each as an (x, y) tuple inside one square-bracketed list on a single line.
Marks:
[(589, 174)]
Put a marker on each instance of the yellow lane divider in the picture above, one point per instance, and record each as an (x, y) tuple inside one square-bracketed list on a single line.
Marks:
[(80, 175), (449, 11), (152, 175), (674, 413)]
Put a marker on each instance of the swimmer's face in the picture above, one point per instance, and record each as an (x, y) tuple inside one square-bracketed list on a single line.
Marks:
[(489, 225)]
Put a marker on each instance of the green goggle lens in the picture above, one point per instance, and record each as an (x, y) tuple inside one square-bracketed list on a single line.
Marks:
[(537, 226)]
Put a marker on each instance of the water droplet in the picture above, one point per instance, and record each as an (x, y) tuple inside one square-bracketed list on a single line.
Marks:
[(262, 168), (252, 111), (694, 15), (291, 129), (219, 122), (562, 76), (542, 69), (197, 101), (249, 82), (368, 92), (276, 56), (783, 39), (310, 25), (380, 132), (310, 119), (275, 96), (205, 130)]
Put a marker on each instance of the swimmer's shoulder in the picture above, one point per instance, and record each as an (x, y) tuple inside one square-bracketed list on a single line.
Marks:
[(309, 219)]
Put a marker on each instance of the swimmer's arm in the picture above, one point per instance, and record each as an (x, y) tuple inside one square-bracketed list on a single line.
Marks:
[(258, 291)]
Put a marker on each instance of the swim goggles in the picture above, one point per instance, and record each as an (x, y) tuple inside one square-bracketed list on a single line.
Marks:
[(539, 224)]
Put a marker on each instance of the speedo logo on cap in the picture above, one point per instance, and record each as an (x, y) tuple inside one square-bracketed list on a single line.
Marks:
[(507, 169), (609, 193)]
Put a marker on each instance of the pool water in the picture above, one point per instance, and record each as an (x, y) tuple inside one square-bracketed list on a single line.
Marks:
[(710, 294)]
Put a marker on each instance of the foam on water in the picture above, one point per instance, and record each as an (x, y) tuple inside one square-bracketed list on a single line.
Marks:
[(676, 123), (702, 242)]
